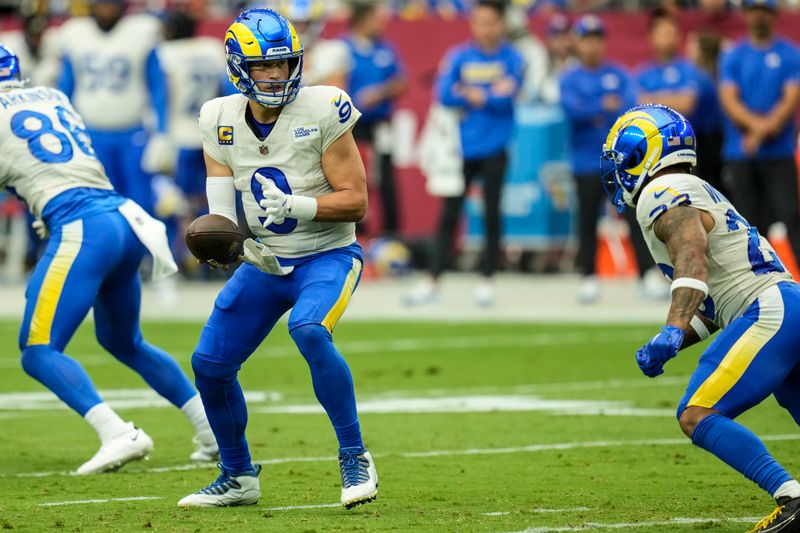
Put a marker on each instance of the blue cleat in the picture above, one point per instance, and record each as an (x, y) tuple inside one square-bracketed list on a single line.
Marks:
[(227, 490), (359, 477)]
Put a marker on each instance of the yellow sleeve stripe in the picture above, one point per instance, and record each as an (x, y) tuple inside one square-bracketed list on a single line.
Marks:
[(50, 292), (338, 308), (741, 355)]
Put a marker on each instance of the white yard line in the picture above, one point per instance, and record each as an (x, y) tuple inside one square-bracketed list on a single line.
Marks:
[(294, 507), (541, 511), (626, 525), (533, 448), (103, 500)]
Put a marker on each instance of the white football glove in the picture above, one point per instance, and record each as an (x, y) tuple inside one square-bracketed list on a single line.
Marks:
[(159, 155), (261, 257), (279, 206), (40, 228)]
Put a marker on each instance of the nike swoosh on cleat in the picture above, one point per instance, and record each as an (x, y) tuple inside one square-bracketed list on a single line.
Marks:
[(136, 436)]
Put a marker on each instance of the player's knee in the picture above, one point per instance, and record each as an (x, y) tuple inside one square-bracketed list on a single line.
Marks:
[(691, 417), (34, 357), (204, 369), (311, 339), (118, 346)]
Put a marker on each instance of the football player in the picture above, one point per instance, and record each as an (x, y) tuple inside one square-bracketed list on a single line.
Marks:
[(290, 152), (726, 276), (110, 71), (97, 239)]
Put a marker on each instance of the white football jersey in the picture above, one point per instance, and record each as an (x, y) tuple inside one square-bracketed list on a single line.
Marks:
[(110, 76), (194, 69), (45, 148), (291, 155), (742, 264)]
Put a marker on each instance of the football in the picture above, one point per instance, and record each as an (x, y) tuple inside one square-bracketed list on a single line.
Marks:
[(214, 238)]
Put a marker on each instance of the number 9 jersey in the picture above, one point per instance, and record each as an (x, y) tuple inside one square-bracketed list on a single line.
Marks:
[(45, 148), (291, 155), (742, 264)]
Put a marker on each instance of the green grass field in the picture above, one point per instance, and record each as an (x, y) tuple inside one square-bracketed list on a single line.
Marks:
[(573, 436)]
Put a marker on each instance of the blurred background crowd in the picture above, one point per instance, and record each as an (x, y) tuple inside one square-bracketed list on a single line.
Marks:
[(482, 120)]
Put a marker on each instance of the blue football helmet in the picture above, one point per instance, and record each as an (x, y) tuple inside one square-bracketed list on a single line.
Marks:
[(644, 140), (259, 35), (9, 65)]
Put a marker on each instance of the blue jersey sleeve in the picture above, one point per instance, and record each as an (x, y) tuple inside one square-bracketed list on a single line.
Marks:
[(728, 64), (157, 87), (791, 65), (449, 77), (66, 82)]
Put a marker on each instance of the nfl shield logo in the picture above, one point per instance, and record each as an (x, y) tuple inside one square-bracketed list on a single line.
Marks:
[(264, 149)]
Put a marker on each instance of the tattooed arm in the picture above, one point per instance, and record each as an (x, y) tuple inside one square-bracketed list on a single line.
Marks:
[(684, 230)]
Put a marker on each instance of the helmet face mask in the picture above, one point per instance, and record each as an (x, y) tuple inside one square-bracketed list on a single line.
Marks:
[(260, 36), (643, 141)]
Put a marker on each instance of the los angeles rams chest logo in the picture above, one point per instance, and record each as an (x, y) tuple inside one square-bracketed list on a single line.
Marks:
[(225, 135)]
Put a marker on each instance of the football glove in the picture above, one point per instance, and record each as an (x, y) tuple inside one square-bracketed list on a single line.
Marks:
[(661, 348), (159, 155), (40, 228), (279, 206), (261, 257)]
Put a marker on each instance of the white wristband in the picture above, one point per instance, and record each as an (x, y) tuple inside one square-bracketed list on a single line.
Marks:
[(221, 194), (303, 208), (690, 283), (699, 327)]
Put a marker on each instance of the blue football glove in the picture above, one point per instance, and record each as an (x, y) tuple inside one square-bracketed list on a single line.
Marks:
[(661, 348)]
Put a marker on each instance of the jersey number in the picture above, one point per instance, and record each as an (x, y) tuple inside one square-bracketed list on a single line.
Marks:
[(276, 175), (762, 259), (39, 131), (111, 74)]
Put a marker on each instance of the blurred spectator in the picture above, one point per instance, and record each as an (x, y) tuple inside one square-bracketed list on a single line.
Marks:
[(532, 51), (560, 56), (325, 61), (481, 79), (111, 72), (195, 71), (759, 92), (715, 16), (593, 94), (36, 49), (703, 49), (376, 79)]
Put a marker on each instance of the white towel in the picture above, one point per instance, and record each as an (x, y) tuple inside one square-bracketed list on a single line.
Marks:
[(153, 234), (441, 158)]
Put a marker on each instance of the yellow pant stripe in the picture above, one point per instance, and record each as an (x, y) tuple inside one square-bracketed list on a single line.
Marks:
[(50, 291), (738, 359), (338, 308)]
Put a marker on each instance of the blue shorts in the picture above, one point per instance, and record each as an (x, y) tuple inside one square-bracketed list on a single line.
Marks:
[(247, 308), (758, 354), (88, 262)]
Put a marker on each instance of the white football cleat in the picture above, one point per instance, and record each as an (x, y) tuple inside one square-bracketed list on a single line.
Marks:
[(227, 490), (484, 293), (359, 478), (130, 446), (589, 290), (423, 293), (653, 285), (204, 453)]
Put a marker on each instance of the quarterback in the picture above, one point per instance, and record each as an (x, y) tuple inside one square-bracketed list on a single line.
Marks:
[(726, 276), (97, 240), (290, 152)]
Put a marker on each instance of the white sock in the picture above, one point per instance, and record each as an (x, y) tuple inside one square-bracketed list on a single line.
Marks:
[(196, 413), (790, 488), (106, 422)]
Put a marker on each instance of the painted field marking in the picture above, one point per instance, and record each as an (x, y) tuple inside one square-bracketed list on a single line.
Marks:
[(626, 525), (295, 507), (540, 511), (102, 500), (533, 448)]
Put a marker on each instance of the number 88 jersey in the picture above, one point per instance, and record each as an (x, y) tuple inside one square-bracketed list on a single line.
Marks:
[(742, 264), (45, 148), (291, 156)]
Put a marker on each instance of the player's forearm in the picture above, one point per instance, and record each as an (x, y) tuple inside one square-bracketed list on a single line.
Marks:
[(691, 262), (341, 206)]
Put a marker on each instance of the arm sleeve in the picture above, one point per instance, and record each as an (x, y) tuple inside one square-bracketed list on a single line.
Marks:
[(449, 76), (66, 81), (221, 194), (157, 87), (339, 116)]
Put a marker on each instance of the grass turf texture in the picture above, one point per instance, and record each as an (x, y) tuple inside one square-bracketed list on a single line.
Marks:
[(618, 484)]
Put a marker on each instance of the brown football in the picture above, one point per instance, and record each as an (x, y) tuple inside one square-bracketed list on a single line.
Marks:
[(214, 238)]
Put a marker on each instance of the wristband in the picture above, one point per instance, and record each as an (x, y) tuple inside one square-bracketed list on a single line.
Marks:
[(699, 327), (690, 283), (303, 208)]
